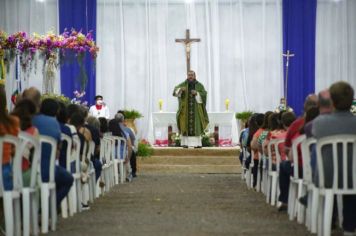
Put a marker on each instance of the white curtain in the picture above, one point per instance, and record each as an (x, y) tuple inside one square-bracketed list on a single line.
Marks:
[(30, 16), (335, 43), (239, 56)]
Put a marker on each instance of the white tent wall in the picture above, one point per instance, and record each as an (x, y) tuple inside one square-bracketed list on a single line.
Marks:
[(239, 56), (30, 16)]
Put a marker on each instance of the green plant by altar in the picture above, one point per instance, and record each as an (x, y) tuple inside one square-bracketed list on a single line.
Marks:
[(57, 97), (144, 149), (132, 114), (244, 115)]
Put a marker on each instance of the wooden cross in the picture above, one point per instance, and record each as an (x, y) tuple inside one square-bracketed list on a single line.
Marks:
[(187, 42), (287, 55)]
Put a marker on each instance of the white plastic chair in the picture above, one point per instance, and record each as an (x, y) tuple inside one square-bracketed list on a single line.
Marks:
[(296, 182), (119, 160), (272, 180), (29, 193), (308, 187), (259, 174), (11, 198), (68, 203), (48, 189), (326, 194), (91, 172), (249, 174), (76, 189), (109, 162)]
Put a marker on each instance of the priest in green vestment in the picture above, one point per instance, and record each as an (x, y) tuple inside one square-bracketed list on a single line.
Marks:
[(192, 118)]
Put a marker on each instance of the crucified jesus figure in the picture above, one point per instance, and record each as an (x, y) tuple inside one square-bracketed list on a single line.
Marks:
[(187, 42)]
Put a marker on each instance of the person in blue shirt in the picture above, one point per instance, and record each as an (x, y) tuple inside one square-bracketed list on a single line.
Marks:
[(47, 124)]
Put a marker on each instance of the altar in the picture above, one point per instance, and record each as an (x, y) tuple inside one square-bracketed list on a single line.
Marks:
[(225, 121)]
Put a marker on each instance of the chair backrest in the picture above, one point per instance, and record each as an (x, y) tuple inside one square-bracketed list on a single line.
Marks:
[(53, 143), (26, 141), (102, 150), (122, 142), (109, 149), (306, 154), (68, 140), (16, 161), (274, 143), (339, 148), (278, 155), (295, 144)]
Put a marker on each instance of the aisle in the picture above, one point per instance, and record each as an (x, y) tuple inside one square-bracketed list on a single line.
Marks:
[(181, 204)]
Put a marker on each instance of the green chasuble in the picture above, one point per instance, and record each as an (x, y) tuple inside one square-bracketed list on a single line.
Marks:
[(192, 118)]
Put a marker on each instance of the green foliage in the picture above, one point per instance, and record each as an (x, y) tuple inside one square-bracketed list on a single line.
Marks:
[(243, 116), (205, 141), (60, 98), (132, 114), (144, 149)]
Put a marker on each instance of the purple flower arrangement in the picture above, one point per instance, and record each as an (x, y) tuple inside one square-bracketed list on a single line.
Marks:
[(73, 40), (78, 96)]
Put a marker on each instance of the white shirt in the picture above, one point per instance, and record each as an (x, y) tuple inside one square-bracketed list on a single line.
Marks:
[(103, 112)]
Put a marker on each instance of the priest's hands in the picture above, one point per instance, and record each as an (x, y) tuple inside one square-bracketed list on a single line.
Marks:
[(194, 92)]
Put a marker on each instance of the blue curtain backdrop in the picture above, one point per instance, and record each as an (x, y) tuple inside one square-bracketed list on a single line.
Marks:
[(80, 15), (299, 23)]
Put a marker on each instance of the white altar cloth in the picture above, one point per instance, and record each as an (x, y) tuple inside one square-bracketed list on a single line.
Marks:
[(159, 122)]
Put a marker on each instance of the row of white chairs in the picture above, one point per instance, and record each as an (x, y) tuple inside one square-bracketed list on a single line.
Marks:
[(109, 156), (317, 216)]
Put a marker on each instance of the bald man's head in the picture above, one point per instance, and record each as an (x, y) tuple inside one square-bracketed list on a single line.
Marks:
[(324, 101), (310, 101), (34, 95)]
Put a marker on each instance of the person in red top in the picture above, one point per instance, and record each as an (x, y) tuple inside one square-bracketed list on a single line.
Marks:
[(8, 125), (25, 109), (286, 169)]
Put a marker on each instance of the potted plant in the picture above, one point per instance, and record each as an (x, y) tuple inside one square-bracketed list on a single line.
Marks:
[(130, 116), (144, 149), (242, 118)]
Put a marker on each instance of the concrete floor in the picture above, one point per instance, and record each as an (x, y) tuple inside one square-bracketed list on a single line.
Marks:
[(181, 204)]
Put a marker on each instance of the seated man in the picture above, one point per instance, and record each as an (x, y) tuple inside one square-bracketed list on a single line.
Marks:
[(341, 121), (99, 109)]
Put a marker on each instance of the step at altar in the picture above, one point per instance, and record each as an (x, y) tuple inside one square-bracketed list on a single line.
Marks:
[(187, 160)]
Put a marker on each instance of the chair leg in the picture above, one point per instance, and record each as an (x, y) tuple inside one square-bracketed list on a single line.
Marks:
[(79, 195), (17, 208), (44, 208), (8, 213), (53, 209), (122, 175), (64, 207), (320, 215), (291, 201), (268, 189), (116, 172), (340, 209), (274, 190), (314, 210), (328, 212), (34, 211), (72, 200), (301, 208), (26, 212)]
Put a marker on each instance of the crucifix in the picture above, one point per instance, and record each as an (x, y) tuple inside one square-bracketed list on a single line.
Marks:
[(287, 56), (187, 42)]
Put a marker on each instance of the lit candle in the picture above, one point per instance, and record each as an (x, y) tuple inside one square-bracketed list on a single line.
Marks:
[(227, 102), (160, 104)]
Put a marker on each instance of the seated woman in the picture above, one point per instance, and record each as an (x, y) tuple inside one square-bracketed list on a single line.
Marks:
[(8, 125), (25, 109), (115, 129)]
